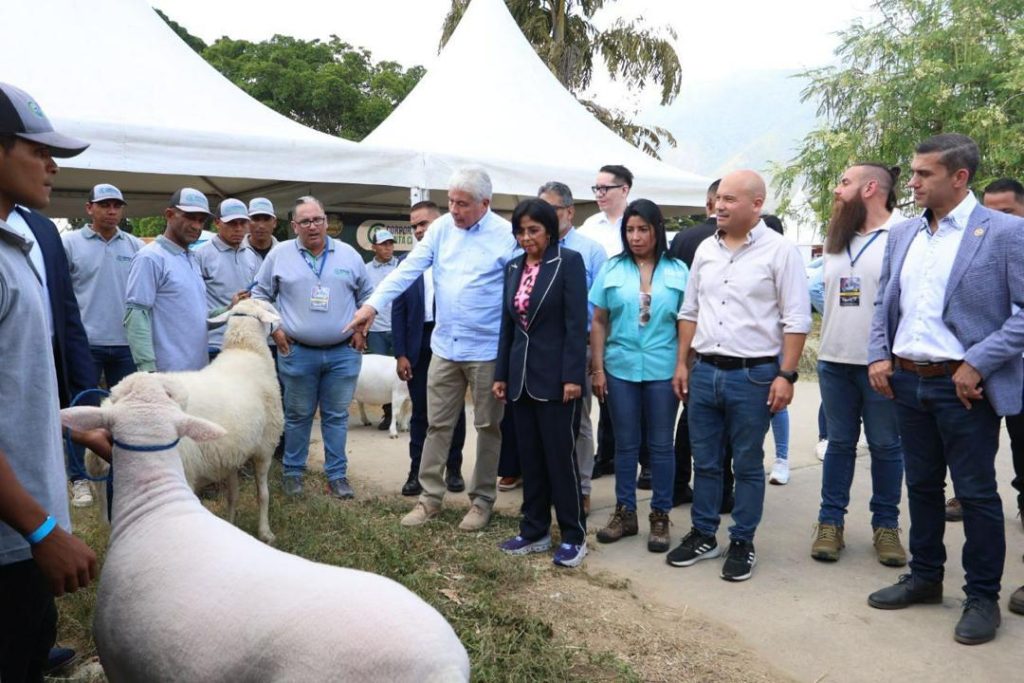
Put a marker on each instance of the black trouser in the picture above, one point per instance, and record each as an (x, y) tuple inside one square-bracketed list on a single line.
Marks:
[(547, 454), (28, 622), (1015, 427), (508, 459), (606, 440), (684, 458), (418, 418)]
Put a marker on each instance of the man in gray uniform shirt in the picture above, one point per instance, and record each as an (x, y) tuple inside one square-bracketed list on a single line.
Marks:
[(316, 283), (261, 230), (228, 267)]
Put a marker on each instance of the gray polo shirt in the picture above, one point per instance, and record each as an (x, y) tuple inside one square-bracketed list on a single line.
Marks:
[(377, 271), (30, 420), (287, 279), (165, 280), (225, 271), (273, 245), (99, 276)]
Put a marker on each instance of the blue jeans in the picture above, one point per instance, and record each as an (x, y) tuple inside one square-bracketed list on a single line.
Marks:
[(729, 406), (114, 363), (780, 431), (938, 432), (847, 397), (657, 404), (822, 424), (324, 377)]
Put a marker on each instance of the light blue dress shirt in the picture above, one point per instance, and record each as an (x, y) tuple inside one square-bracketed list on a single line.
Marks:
[(593, 255), (468, 269)]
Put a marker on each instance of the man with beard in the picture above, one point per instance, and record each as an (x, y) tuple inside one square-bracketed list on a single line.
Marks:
[(862, 213)]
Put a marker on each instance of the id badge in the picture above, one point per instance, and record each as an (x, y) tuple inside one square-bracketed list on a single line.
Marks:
[(320, 299), (849, 291)]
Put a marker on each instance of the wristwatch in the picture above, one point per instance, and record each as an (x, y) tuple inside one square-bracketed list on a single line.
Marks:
[(790, 377)]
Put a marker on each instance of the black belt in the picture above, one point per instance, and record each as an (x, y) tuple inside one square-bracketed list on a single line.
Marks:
[(315, 346), (734, 362)]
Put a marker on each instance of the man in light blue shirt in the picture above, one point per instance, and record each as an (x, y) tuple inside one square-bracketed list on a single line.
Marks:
[(559, 196), (226, 264), (316, 283), (468, 249), (165, 321)]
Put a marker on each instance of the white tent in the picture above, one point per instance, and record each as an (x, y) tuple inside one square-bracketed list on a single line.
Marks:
[(159, 117), (490, 100)]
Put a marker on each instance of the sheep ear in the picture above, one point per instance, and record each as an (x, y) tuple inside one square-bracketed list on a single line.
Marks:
[(219, 319), (175, 389), (84, 418), (198, 429), (269, 314)]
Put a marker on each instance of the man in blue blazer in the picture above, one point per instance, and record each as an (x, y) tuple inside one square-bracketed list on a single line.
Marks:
[(946, 344), (411, 332)]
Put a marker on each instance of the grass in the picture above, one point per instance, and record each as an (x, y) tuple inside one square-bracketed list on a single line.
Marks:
[(464, 576)]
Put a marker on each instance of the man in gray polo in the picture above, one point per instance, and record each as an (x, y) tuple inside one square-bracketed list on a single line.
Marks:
[(378, 339), (261, 230), (166, 300), (316, 283), (228, 267)]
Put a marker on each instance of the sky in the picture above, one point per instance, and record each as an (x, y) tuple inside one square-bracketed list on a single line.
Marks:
[(732, 52)]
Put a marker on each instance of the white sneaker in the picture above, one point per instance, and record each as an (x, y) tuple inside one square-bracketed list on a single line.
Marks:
[(81, 494), (820, 449), (862, 447), (780, 472)]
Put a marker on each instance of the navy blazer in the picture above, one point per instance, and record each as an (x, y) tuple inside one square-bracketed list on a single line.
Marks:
[(408, 316), (76, 370), (986, 282), (552, 349)]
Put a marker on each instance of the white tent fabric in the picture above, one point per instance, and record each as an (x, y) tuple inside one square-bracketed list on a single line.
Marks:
[(159, 117), (489, 100)]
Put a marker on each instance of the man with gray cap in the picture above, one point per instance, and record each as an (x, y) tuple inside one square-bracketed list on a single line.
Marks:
[(379, 340), (99, 256), (261, 228), (166, 318), (39, 558), (228, 267)]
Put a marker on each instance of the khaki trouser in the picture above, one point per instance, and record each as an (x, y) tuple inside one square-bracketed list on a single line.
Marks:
[(585, 440), (446, 394)]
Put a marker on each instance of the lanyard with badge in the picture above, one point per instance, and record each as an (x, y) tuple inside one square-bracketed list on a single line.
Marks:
[(849, 287), (320, 299)]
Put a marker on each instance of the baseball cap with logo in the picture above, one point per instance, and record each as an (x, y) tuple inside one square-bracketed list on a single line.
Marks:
[(383, 235), (261, 206), (232, 210), (190, 200), (22, 116), (104, 192)]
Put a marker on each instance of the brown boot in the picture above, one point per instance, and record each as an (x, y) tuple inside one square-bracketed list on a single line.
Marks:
[(658, 541), (586, 506), (622, 523), (888, 548)]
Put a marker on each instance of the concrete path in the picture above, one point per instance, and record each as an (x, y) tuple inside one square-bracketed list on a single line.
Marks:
[(809, 619)]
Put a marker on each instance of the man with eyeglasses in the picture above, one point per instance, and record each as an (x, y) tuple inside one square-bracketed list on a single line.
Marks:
[(316, 283), (165, 320), (611, 190), (559, 196)]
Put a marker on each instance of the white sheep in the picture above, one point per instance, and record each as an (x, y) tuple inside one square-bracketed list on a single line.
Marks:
[(186, 596), (238, 391), (379, 384)]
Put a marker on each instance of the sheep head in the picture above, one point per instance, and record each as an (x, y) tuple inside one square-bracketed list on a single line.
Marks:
[(144, 409), (254, 308)]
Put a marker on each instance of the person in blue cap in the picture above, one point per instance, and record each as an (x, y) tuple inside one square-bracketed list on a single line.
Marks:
[(379, 339)]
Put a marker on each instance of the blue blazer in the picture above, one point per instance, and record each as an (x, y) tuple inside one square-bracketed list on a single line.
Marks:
[(551, 350), (986, 281), (407, 320), (76, 370)]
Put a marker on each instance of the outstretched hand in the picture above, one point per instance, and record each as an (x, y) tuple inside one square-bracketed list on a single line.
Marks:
[(362, 320)]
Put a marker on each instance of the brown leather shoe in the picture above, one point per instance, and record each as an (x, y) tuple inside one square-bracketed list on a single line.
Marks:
[(509, 483), (954, 512), (658, 540), (586, 505), (621, 523)]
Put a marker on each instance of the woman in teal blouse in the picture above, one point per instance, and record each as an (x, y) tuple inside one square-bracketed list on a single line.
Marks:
[(633, 342)]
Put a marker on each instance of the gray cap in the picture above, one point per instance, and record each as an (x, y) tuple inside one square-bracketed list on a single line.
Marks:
[(190, 200), (105, 191), (383, 235), (232, 210), (22, 116), (261, 206)]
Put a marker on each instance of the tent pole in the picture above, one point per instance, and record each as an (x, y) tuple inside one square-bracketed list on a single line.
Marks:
[(418, 194)]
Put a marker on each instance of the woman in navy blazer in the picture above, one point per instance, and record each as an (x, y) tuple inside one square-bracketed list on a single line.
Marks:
[(540, 373)]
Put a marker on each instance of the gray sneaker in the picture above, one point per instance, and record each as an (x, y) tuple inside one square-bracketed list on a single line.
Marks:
[(341, 489), (292, 485)]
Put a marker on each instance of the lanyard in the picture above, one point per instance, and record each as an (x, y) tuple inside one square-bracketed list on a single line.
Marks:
[(854, 259), (311, 262)]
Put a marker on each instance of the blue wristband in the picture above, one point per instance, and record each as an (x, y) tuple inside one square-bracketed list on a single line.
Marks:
[(42, 532)]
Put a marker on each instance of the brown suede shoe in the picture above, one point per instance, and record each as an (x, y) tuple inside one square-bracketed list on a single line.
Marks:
[(827, 543), (888, 547), (658, 540), (621, 523)]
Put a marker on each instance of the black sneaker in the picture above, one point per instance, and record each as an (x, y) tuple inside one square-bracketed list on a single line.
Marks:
[(739, 561), (694, 548), (643, 482)]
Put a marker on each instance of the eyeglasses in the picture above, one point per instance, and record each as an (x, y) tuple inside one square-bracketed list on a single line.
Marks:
[(601, 190), (316, 220)]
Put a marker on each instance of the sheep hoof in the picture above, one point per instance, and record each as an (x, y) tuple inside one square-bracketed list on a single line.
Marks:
[(267, 537), (393, 435)]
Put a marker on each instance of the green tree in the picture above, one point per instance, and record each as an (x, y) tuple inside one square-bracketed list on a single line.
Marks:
[(329, 86), (563, 34), (924, 67), (192, 41)]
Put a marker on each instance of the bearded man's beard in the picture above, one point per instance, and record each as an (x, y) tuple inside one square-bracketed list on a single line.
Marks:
[(847, 219)]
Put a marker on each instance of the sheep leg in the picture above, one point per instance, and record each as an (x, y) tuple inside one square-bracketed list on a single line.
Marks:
[(396, 407), (362, 414), (232, 482), (261, 467)]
